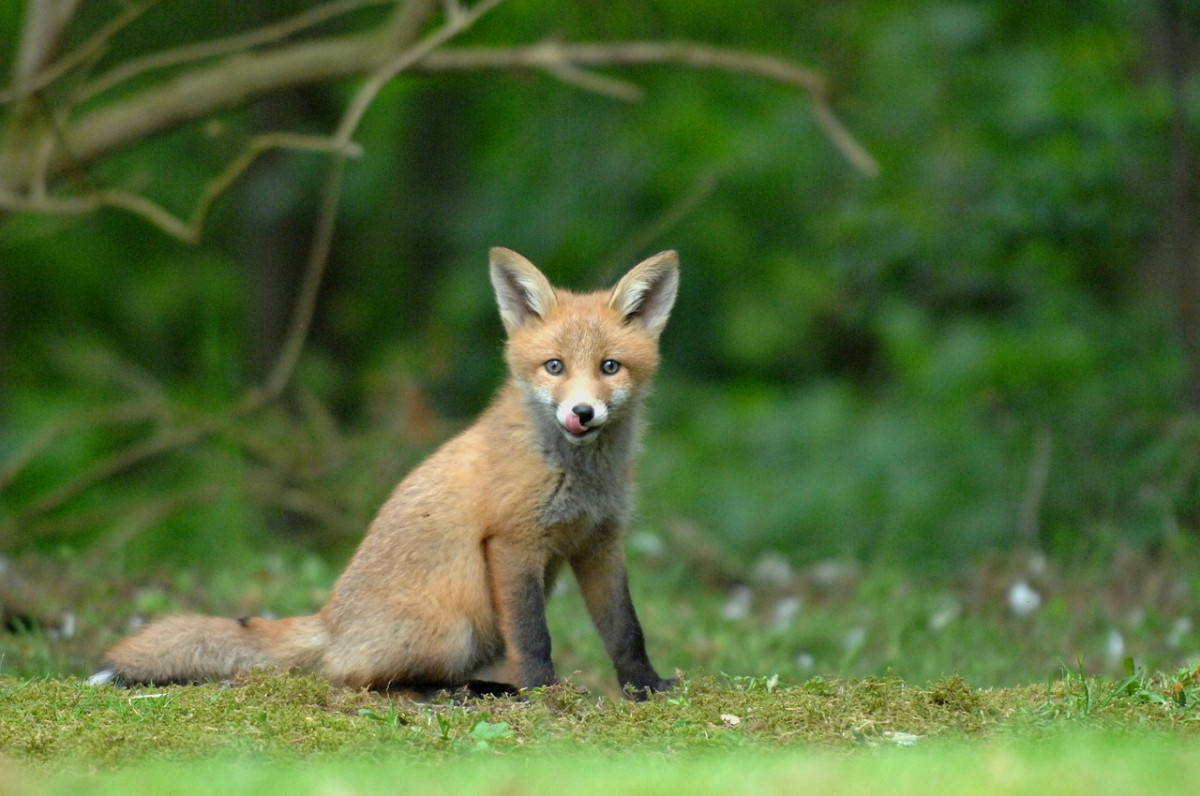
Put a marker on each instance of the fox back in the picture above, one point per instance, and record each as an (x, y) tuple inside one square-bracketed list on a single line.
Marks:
[(451, 577)]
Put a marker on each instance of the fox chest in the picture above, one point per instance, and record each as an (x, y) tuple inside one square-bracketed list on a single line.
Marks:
[(579, 508)]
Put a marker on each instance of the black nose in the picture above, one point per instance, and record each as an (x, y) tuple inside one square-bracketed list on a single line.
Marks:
[(584, 412)]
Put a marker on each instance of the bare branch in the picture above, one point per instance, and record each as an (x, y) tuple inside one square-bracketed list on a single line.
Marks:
[(186, 231), (302, 312), (77, 205), (241, 42), (658, 226), (853, 151), (456, 24), (310, 285), (327, 217), (132, 517), (410, 19), (550, 54), (30, 83), (226, 84), (554, 57), (233, 80), (123, 460), (121, 414), (41, 30), (599, 84), (254, 149)]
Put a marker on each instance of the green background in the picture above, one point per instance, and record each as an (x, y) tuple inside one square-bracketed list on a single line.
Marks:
[(986, 346)]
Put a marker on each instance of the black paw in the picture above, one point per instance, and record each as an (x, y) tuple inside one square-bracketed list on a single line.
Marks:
[(641, 693), (482, 688)]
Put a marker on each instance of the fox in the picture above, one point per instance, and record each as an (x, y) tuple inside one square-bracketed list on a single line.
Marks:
[(451, 578)]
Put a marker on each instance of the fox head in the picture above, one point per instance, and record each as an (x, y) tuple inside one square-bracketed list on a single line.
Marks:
[(583, 359)]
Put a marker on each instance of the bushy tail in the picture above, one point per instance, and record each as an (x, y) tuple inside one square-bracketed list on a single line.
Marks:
[(189, 649)]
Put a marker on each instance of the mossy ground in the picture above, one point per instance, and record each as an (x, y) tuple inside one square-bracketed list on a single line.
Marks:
[(868, 680), (49, 723), (290, 734)]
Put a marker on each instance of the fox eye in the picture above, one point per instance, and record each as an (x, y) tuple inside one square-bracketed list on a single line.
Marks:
[(554, 367), (610, 366)]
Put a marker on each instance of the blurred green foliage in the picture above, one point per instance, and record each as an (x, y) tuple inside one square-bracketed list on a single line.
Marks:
[(856, 366)]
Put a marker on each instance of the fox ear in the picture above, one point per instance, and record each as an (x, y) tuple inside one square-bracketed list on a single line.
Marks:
[(522, 291), (646, 294)]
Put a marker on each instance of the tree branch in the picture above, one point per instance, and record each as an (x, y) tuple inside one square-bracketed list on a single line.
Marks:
[(33, 156), (137, 411), (454, 26), (234, 80), (302, 312), (241, 42), (226, 84), (189, 231), (281, 373), (551, 54), (41, 30), (555, 57), (46, 74), (410, 19)]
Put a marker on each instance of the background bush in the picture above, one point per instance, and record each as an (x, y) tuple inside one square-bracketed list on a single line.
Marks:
[(982, 347)]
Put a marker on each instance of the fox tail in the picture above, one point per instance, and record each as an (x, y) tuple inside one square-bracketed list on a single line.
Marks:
[(189, 649)]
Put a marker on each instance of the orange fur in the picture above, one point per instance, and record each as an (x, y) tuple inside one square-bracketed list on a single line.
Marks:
[(453, 572)]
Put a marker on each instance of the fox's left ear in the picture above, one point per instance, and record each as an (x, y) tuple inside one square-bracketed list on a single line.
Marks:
[(646, 294)]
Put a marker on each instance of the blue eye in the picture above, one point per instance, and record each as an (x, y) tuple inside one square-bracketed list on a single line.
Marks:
[(554, 367), (609, 366)]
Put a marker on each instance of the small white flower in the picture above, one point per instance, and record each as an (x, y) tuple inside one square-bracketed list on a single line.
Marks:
[(784, 612), (854, 639), (1023, 600), (771, 570), (946, 613), (902, 738), (648, 544), (1179, 628), (737, 605), (1114, 647)]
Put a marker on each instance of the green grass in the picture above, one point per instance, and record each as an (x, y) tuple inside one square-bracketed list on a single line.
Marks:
[(1086, 764), (268, 734), (872, 681), (703, 613)]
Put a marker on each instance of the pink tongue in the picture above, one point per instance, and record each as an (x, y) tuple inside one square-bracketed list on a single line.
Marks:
[(573, 424)]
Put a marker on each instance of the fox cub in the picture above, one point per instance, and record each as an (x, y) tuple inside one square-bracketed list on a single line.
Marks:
[(453, 573)]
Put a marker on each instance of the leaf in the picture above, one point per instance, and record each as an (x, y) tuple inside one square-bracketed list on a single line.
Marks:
[(488, 731)]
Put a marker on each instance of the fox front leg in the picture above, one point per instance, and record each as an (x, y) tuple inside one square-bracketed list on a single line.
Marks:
[(519, 596), (604, 582)]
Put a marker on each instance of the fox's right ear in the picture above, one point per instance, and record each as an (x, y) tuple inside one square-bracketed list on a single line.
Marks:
[(522, 291)]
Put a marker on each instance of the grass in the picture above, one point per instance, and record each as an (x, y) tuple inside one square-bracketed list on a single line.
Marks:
[(49, 721), (269, 734), (846, 679), (702, 614), (1091, 764)]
